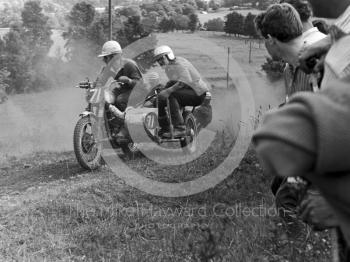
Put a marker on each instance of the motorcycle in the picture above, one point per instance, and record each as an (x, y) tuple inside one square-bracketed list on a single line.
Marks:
[(102, 123)]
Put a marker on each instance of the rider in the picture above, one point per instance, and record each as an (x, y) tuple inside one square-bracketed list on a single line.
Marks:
[(129, 74), (185, 88)]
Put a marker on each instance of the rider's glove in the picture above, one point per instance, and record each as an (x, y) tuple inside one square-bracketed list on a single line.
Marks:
[(125, 80)]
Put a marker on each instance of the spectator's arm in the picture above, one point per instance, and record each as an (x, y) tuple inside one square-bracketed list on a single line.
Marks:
[(315, 50), (286, 142)]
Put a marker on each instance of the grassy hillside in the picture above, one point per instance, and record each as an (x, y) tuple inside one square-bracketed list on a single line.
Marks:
[(53, 210)]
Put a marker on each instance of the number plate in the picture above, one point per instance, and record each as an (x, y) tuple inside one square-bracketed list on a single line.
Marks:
[(151, 121)]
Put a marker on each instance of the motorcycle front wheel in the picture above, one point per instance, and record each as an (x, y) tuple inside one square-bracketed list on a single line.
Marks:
[(87, 150)]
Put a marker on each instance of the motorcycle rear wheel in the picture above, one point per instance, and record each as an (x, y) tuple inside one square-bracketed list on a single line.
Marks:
[(189, 143), (87, 151)]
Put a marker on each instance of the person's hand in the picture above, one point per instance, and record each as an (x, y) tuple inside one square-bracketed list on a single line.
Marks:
[(309, 54), (124, 80), (315, 211), (164, 94), (319, 67), (308, 58)]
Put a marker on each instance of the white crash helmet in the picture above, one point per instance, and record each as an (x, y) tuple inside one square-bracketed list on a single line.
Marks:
[(163, 50), (110, 48)]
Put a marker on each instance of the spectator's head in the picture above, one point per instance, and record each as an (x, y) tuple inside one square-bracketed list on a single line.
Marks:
[(329, 8), (279, 21), (279, 25), (303, 8)]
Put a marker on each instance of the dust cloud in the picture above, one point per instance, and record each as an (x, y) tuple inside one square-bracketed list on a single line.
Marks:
[(45, 121), (39, 122)]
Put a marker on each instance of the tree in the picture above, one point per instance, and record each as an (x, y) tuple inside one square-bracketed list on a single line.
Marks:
[(80, 29), (133, 29), (162, 13), (149, 24), (37, 32), (37, 38), (181, 22), (263, 4), (193, 23), (9, 16), (213, 5), (234, 23), (4, 73), (178, 8), (202, 5), (249, 26), (81, 15), (4, 76), (24, 47), (188, 9), (153, 14), (16, 59), (129, 11), (167, 7), (167, 24), (189, 2), (216, 24)]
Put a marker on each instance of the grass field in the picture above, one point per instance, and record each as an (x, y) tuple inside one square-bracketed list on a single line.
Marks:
[(53, 210)]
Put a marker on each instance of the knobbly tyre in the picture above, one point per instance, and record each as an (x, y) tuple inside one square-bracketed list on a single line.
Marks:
[(103, 123)]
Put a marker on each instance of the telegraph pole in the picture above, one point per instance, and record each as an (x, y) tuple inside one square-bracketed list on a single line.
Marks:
[(110, 18)]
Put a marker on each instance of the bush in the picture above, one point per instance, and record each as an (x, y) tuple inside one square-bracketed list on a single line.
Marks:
[(22, 50), (216, 24), (273, 68)]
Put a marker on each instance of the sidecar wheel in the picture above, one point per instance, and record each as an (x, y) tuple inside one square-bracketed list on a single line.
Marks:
[(130, 149), (87, 151), (189, 143)]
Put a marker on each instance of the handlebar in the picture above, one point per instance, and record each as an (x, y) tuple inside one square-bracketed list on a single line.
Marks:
[(89, 85), (85, 85)]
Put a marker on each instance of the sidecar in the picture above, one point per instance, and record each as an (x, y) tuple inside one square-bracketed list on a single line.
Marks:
[(100, 126), (142, 126)]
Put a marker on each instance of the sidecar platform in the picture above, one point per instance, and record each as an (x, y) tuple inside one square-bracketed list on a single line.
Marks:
[(166, 140)]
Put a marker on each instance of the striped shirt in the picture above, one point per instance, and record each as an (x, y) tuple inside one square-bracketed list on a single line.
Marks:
[(295, 79)]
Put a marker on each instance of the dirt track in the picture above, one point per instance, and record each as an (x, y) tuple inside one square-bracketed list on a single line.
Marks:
[(18, 175)]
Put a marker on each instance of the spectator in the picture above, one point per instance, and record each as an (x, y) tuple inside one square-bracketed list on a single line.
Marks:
[(310, 135), (302, 32)]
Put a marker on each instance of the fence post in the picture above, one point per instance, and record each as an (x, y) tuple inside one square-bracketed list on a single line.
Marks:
[(250, 52), (228, 66)]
